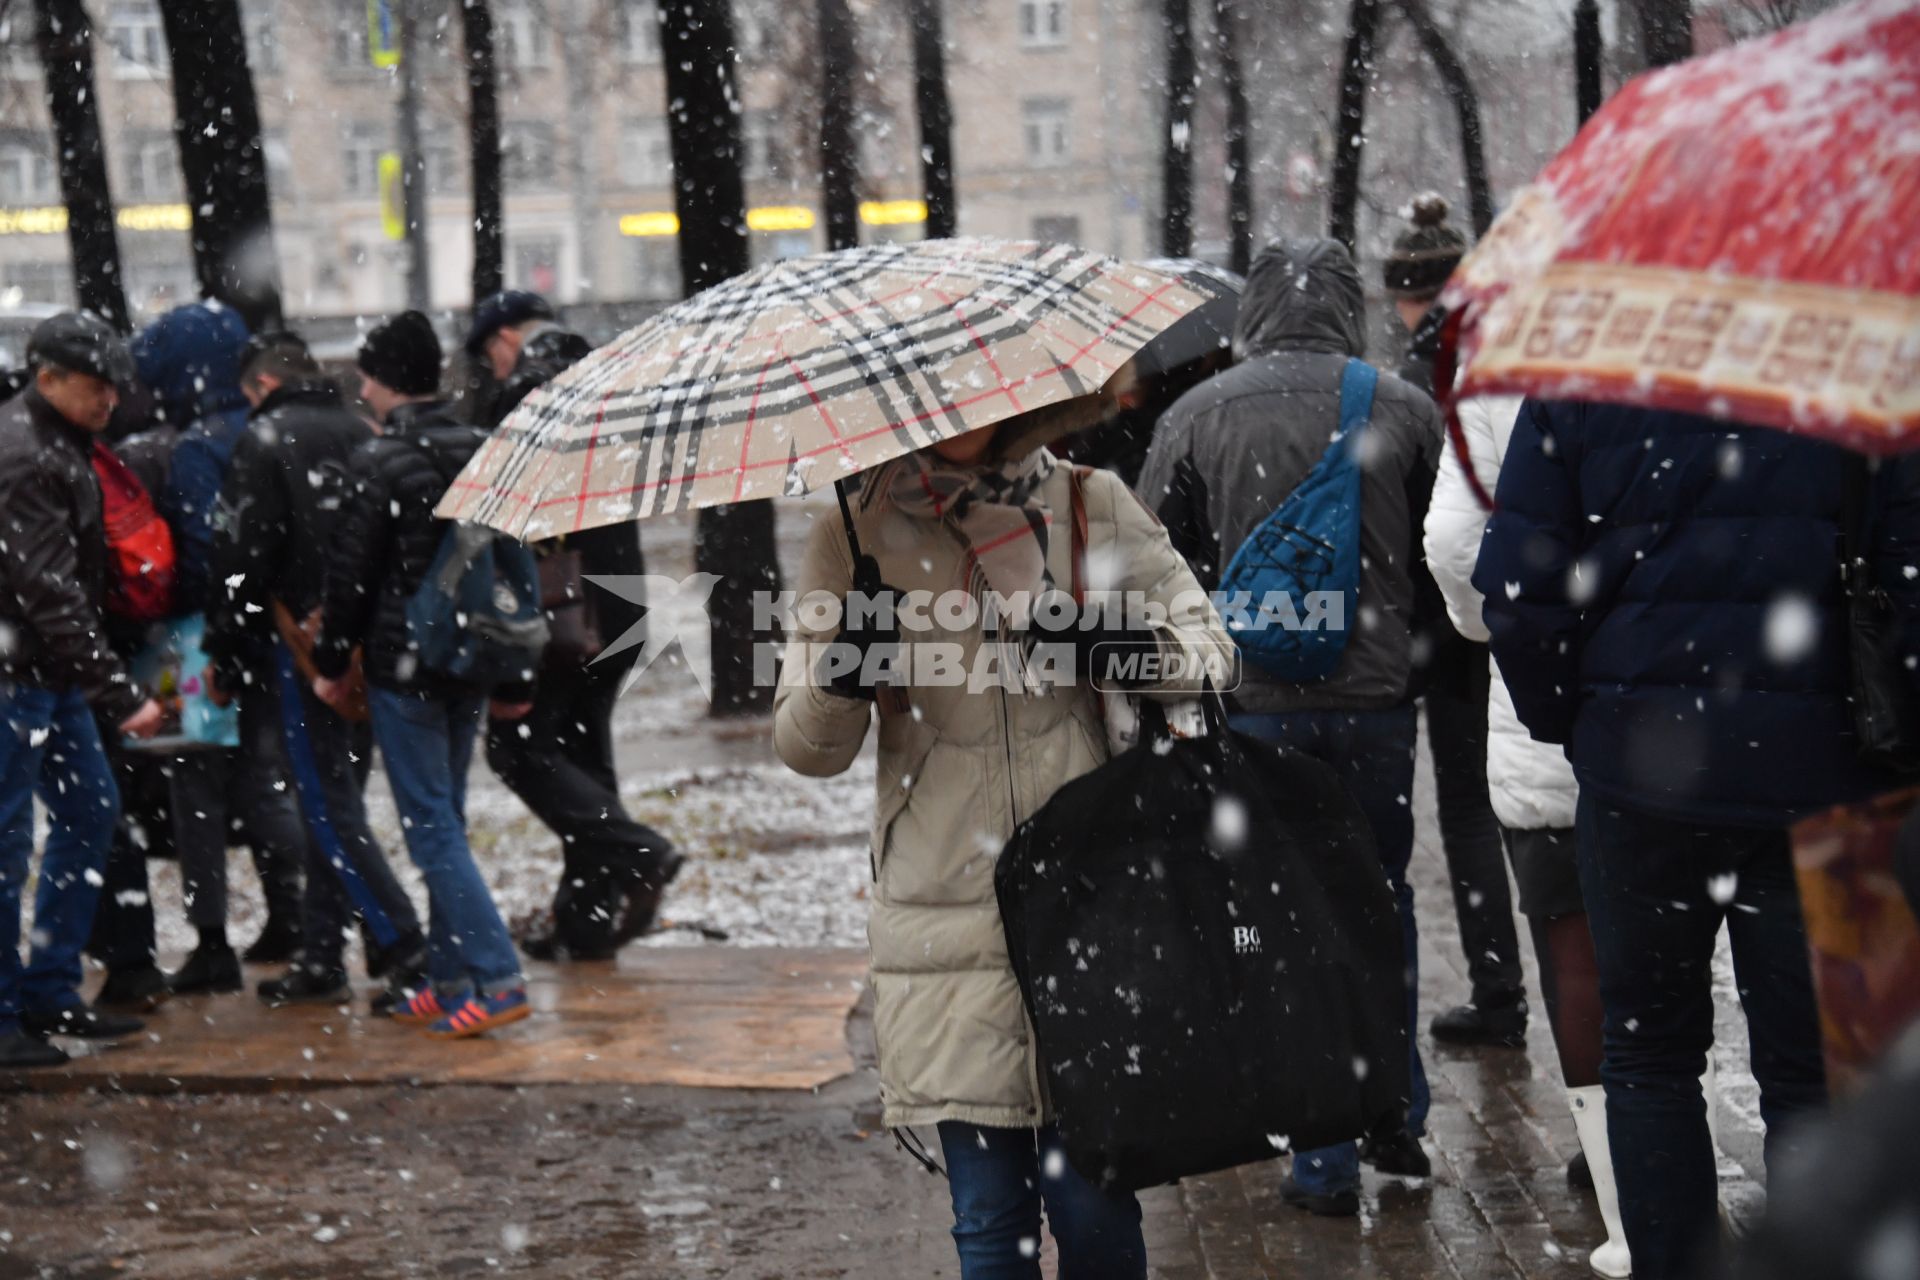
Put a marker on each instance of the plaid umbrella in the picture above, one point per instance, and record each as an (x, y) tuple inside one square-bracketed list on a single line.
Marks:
[(805, 371)]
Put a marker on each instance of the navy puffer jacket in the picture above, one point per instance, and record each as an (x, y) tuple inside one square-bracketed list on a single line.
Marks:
[(1664, 597)]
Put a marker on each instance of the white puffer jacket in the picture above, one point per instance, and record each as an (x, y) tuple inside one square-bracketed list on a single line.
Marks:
[(1531, 782)]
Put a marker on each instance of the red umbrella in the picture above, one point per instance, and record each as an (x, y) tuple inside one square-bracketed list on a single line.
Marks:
[(1737, 236)]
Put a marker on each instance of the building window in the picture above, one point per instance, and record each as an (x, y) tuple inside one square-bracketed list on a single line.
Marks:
[(656, 268), (1043, 23), (521, 26), (18, 58), (349, 49), (153, 168), (39, 281), (27, 175), (646, 155), (438, 148), (639, 32), (536, 265), (1043, 131), (760, 138), (526, 153), (279, 163), (360, 159), (134, 34), (752, 31), (263, 38), (1057, 230)]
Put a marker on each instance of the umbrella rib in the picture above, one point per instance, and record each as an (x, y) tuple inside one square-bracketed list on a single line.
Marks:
[(746, 435)]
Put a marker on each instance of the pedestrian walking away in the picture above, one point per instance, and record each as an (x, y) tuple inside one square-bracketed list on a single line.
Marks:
[(1224, 457), (1664, 595), (56, 671), (1451, 678), (425, 722), (281, 511), (559, 757)]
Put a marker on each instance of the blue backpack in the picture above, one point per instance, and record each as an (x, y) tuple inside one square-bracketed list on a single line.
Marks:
[(1299, 569), (475, 618)]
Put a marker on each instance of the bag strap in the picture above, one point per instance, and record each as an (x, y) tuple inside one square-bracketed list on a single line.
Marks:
[(1357, 383)]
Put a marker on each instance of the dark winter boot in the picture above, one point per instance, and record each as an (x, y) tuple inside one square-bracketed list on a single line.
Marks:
[(640, 904), (212, 969), (1399, 1154), (142, 988), (82, 1021), (18, 1051), (1335, 1204), (1501, 1028), (302, 985), (278, 943)]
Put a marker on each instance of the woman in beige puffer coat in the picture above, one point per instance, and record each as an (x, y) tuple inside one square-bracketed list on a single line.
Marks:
[(960, 766)]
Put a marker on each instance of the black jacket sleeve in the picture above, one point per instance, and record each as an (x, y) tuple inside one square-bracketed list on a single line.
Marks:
[(250, 535), (42, 575), (355, 565)]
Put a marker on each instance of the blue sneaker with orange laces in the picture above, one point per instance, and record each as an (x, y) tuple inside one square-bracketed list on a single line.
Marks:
[(421, 1009), (481, 1014)]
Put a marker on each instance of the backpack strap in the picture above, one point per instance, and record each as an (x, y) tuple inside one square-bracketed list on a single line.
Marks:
[(1357, 385)]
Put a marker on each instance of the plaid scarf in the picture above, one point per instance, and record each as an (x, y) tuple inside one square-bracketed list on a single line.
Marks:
[(997, 516)]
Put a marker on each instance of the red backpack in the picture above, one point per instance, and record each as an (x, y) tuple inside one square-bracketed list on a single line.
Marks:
[(139, 544)]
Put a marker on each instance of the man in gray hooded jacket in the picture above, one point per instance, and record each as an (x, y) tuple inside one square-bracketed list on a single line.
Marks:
[(1223, 458)]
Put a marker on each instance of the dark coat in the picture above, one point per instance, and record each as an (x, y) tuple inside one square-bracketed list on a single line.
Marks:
[(280, 509), (55, 565), (384, 544), (611, 550), (1664, 597), (190, 501), (1235, 447)]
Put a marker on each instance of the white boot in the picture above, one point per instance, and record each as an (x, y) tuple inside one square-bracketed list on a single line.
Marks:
[(1589, 1106)]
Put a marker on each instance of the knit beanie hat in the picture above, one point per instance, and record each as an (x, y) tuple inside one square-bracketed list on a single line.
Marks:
[(1426, 253), (403, 353)]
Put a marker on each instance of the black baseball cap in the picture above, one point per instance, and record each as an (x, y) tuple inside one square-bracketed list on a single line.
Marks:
[(503, 309)]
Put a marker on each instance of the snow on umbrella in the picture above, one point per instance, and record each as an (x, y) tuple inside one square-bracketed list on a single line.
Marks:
[(1736, 236), (808, 370)]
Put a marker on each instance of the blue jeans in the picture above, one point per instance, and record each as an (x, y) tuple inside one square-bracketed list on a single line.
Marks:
[(1001, 1177), (50, 746), (1657, 892), (427, 744), (1372, 751)]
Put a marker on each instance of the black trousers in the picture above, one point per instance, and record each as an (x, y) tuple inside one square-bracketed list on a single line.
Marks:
[(122, 936), (224, 793), (1476, 866), (559, 761)]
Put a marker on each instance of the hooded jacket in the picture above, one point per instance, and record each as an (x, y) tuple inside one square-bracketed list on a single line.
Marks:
[(53, 573), (280, 509), (1232, 449), (959, 769), (190, 359), (384, 543), (1664, 597)]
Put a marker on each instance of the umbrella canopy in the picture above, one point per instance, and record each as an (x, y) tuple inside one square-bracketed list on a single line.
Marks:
[(808, 370), (1201, 333), (1736, 236)]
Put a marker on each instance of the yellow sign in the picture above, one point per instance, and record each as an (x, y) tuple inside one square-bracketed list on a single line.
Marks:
[(650, 224), (51, 220), (393, 197), (383, 42), (780, 217), (892, 213)]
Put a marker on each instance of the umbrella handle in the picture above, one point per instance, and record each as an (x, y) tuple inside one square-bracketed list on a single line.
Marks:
[(1446, 367), (866, 570)]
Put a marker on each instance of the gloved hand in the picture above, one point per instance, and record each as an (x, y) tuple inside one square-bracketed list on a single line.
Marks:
[(1099, 645), (862, 651)]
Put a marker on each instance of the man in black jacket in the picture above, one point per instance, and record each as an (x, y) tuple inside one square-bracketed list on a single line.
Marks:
[(56, 671), (280, 508), (425, 721), (559, 760)]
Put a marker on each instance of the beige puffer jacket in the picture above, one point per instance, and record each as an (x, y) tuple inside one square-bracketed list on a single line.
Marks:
[(958, 772)]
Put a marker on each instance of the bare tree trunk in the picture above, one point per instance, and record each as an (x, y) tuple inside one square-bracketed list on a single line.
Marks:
[(1350, 126), (1666, 30), (1466, 104), (1588, 54), (839, 158), (413, 161), (64, 36), (222, 157), (1239, 164), (1176, 156), (936, 118), (703, 125), (483, 144)]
